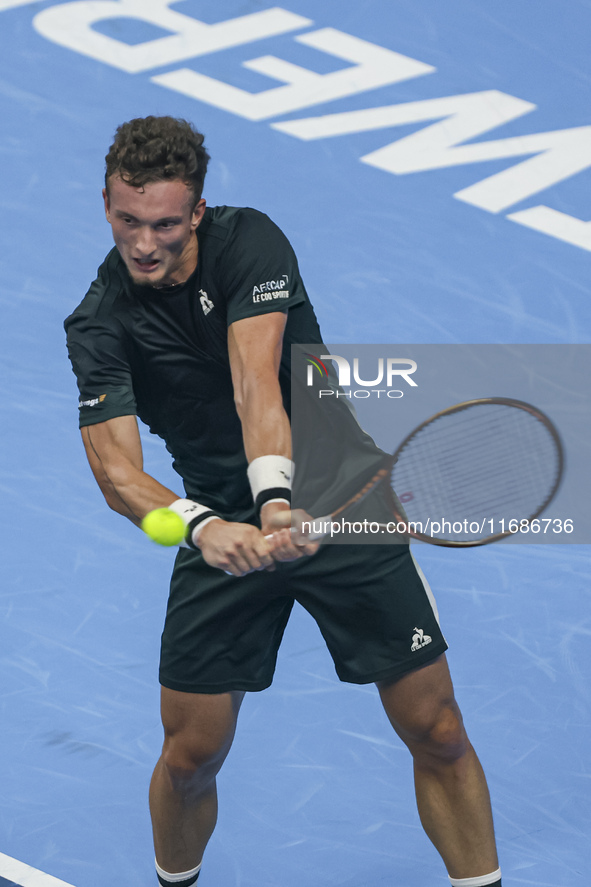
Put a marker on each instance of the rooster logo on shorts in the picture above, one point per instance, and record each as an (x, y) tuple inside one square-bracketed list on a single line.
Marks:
[(420, 639)]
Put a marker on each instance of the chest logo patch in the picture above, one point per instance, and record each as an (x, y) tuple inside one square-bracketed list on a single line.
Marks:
[(206, 302)]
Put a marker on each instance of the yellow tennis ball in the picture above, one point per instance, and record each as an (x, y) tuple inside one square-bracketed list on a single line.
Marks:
[(164, 526)]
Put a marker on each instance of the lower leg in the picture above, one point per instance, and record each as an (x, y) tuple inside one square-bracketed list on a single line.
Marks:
[(198, 733), (452, 794), (182, 820), (454, 808)]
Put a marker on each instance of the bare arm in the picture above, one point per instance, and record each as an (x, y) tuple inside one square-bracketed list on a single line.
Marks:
[(255, 346), (114, 452)]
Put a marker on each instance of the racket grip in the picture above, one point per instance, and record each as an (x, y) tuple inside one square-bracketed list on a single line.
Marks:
[(313, 537), (269, 536)]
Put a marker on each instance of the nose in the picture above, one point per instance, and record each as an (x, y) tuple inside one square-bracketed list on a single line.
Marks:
[(146, 242)]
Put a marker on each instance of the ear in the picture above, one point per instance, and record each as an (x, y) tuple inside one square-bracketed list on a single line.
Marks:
[(198, 213), (107, 205)]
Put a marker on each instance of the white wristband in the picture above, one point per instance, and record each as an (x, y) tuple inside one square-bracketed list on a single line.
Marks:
[(270, 478), (196, 531), (195, 516)]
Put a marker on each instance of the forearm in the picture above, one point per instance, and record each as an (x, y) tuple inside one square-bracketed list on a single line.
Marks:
[(255, 349), (114, 454), (133, 493), (265, 424)]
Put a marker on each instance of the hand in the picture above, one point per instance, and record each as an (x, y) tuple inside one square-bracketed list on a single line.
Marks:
[(287, 544), (236, 548)]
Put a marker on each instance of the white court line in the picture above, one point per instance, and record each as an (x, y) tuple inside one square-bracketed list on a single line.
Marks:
[(9, 4), (26, 875)]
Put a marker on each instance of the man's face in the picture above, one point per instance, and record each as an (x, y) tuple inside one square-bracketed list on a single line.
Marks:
[(154, 229)]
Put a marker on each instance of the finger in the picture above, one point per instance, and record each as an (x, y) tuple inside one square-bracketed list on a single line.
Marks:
[(264, 553), (236, 564), (286, 546), (252, 556), (287, 552), (231, 570), (258, 556), (281, 542)]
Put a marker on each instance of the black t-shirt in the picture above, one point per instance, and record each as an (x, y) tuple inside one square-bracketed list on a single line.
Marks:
[(162, 354)]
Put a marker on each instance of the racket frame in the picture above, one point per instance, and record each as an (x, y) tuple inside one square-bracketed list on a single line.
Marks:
[(384, 472)]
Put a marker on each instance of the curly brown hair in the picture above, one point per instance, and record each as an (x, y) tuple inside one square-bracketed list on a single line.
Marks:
[(154, 149)]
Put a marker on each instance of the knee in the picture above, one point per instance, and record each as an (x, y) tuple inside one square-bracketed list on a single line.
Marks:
[(191, 763), (440, 739)]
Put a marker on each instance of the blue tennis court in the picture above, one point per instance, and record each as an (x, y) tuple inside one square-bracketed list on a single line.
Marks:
[(431, 164)]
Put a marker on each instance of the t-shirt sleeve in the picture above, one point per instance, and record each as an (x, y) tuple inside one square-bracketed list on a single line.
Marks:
[(259, 270), (101, 367)]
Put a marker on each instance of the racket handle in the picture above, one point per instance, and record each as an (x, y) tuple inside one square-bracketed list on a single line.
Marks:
[(313, 537), (269, 536)]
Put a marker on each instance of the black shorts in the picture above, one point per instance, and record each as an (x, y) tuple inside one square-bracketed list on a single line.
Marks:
[(372, 605)]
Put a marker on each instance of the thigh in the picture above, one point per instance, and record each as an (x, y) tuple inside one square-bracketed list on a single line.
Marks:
[(374, 608), (221, 632), (198, 727), (213, 714)]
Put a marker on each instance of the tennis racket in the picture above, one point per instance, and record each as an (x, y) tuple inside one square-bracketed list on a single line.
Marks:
[(471, 474)]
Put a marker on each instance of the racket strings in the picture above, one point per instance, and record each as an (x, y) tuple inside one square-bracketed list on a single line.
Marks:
[(485, 463), (467, 473)]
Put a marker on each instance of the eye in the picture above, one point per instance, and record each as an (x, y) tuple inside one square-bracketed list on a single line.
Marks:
[(168, 224)]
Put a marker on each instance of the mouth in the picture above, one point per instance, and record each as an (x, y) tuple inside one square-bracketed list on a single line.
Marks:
[(146, 266)]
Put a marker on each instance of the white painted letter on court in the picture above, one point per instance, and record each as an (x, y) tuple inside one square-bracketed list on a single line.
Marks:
[(70, 25)]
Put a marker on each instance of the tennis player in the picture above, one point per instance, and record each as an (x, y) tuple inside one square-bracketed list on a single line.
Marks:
[(189, 326)]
